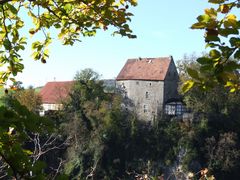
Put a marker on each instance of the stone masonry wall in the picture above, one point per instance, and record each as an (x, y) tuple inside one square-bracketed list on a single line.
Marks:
[(147, 96)]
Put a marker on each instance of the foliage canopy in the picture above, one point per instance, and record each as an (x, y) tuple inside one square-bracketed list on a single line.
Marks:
[(221, 27), (70, 19)]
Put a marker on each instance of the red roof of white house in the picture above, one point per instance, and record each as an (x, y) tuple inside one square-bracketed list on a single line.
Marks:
[(145, 69), (55, 92)]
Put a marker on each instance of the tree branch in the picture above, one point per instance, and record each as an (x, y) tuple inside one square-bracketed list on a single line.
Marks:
[(4, 1), (10, 165)]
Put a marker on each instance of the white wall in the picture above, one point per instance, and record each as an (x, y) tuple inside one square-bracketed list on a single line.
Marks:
[(47, 107)]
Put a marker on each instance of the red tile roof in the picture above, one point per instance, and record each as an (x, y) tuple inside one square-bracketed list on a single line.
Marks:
[(145, 69), (55, 92)]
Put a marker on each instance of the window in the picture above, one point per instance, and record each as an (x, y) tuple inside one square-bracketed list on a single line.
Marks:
[(137, 83), (123, 86), (150, 84), (144, 108), (179, 109), (175, 108), (147, 95), (170, 109), (125, 94)]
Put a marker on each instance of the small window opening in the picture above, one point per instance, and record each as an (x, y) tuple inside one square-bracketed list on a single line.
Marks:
[(144, 108), (147, 95)]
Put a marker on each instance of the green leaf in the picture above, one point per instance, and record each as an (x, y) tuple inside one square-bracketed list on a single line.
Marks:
[(19, 24), (46, 52), (193, 73), (28, 152), (216, 1), (203, 18), (57, 25), (206, 67), (235, 42), (227, 31), (199, 25), (237, 54), (214, 54), (36, 55), (212, 38), (204, 60), (226, 51), (62, 177), (231, 66), (7, 44), (12, 8), (36, 44), (68, 7), (211, 45)]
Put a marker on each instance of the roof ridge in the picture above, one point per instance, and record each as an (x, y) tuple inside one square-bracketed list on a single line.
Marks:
[(58, 81)]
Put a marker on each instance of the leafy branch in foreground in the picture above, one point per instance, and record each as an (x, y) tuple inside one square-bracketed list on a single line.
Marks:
[(16, 124), (221, 65), (69, 19)]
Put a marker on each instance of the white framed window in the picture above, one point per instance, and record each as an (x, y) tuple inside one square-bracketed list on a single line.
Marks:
[(175, 108), (170, 109)]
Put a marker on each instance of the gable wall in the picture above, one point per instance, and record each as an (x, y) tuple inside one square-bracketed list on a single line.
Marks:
[(171, 83)]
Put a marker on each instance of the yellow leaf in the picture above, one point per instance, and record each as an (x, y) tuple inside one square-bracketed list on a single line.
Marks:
[(233, 90), (229, 84), (231, 20), (211, 13), (187, 86), (28, 152)]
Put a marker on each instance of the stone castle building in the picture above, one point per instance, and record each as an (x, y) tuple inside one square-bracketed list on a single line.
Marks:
[(148, 84), (151, 84)]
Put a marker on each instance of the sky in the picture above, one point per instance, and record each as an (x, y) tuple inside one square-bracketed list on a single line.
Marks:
[(162, 29)]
